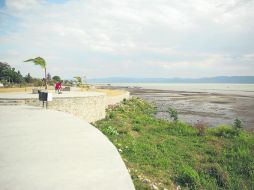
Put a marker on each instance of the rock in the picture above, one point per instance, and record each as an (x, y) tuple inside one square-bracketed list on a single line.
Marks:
[(146, 181), (154, 187)]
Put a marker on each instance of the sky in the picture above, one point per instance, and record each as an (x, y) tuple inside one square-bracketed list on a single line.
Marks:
[(129, 38)]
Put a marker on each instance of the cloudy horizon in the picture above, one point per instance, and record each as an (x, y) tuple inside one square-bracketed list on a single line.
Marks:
[(134, 38)]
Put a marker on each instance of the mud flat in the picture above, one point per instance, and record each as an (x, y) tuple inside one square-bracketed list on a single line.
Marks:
[(211, 108)]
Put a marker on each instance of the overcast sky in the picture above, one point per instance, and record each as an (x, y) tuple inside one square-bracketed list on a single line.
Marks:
[(131, 38)]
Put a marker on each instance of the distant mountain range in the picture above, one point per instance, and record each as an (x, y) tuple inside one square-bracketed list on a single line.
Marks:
[(219, 79)]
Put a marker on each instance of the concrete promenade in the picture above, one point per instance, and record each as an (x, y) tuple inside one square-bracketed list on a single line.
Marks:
[(51, 150)]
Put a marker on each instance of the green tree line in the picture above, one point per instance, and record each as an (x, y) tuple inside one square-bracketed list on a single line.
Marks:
[(10, 76)]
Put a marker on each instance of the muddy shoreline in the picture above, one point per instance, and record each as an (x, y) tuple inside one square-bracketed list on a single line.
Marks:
[(211, 108)]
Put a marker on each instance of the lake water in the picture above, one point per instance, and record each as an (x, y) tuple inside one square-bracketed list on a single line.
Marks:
[(240, 89)]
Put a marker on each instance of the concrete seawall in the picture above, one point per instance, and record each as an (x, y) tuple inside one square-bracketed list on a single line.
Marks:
[(90, 106)]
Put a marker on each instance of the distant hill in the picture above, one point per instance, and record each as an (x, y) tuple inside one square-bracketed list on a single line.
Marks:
[(219, 79)]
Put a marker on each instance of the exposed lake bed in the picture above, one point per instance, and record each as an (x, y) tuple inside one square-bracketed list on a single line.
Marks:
[(209, 107)]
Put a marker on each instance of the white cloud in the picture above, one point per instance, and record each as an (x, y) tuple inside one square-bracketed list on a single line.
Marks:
[(21, 5), (130, 38)]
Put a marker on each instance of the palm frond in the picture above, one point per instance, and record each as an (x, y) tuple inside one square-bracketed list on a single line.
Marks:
[(77, 78), (38, 61)]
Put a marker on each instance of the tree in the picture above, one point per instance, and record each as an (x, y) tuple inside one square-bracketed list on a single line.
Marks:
[(4, 72), (28, 78), (78, 80), (56, 78), (18, 78), (41, 62), (49, 77), (4, 66), (9, 74)]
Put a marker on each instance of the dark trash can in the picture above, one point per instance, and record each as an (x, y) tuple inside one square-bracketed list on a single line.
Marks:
[(43, 96)]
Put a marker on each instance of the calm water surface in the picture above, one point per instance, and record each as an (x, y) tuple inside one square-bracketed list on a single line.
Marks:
[(240, 89)]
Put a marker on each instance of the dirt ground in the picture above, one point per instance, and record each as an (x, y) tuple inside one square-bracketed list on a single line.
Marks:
[(211, 108)]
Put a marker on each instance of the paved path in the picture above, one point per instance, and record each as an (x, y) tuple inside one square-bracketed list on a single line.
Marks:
[(50, 150)]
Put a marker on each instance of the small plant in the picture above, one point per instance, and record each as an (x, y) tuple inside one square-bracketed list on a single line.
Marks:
[(136, 128), (237, 124), (173, 114), (201, 127), (111, 131)]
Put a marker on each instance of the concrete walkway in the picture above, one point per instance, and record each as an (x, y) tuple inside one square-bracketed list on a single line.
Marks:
[(50, 150)]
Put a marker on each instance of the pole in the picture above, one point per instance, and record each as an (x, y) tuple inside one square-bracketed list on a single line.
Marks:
[(46, 79)]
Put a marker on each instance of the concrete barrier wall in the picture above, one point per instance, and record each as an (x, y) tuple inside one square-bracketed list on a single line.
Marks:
[(91, 108)]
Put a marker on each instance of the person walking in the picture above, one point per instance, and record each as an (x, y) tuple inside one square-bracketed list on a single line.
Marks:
[(58, 87)]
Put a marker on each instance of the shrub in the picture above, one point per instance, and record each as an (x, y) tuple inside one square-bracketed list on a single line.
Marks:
[(188, 177), (173, 114), (110, 115), (214, 170), (237, 124), (38, 83), (136, 128), (124, 101), (224, 131), (201, 127)]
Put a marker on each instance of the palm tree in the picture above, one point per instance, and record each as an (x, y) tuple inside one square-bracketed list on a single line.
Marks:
[(40, 61), (79, 80)]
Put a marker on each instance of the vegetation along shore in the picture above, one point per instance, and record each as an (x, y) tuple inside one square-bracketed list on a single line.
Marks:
[(162, 154)]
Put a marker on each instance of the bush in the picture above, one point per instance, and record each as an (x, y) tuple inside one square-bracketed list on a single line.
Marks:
[(136, 128), (188, 178), (38, 83), (237, 124), (215, 171), (224, 131), (173, 114), (201, 127)]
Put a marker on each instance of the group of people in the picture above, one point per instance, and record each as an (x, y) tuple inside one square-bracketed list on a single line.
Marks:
[(58, 87)]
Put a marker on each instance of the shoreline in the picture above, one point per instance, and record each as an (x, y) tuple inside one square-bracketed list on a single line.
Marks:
[(220, 88), (212, 108)]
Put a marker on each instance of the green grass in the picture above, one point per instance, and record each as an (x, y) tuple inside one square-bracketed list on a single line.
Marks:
[(165, 154)]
